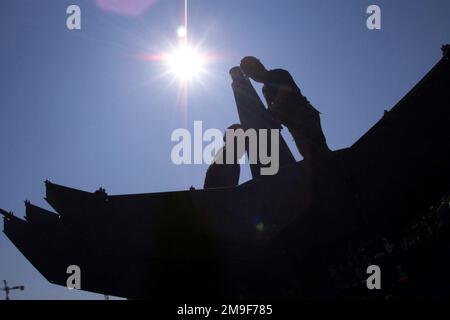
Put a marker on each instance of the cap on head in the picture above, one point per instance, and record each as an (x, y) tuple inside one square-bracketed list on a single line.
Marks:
[(253, 68), (250, 62)]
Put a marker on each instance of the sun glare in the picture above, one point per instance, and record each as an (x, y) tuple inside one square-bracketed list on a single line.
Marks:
[(186, 62)]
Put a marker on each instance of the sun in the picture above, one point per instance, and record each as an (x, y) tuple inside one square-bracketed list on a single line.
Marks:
[(186, 62)]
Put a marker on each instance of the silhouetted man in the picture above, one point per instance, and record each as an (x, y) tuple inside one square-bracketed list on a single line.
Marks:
[(221, 174), (288, 105)]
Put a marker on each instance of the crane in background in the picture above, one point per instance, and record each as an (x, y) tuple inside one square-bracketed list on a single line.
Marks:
[(7, 289)]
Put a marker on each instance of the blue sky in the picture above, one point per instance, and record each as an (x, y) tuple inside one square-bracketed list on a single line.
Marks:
[(78, 107)]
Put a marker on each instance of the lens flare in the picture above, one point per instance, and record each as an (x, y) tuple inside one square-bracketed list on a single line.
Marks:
[(181, 32)]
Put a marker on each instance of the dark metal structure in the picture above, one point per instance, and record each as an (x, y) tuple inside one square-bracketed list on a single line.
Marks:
[(8, 289), (276, 236)]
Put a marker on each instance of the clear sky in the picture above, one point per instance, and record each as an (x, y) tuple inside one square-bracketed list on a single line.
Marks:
[(82, 109)]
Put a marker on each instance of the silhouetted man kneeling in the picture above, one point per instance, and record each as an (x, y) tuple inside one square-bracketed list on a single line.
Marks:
[(221, 174), (288, 105)]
